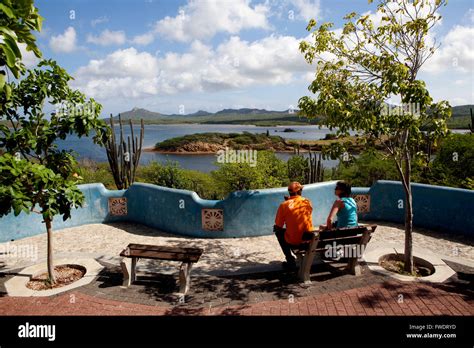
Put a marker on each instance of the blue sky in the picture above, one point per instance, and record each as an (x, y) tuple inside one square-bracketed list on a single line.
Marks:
[(208, 55)]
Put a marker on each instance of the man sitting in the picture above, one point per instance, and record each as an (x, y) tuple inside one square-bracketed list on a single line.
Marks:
[(296, 214)]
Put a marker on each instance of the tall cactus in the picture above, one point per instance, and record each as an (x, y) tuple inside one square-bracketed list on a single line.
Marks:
[(314, 169), (124, 157)]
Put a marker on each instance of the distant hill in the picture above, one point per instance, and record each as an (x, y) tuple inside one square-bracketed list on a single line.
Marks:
[(228, 116), (247, 111), (200, 113), (138, 113), (261, 117), (462, 110)]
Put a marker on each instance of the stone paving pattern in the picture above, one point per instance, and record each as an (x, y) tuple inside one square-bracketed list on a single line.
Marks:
[(271, 293), (221, 285)]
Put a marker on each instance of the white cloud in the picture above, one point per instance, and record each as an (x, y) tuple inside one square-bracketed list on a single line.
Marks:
[(307, 9), (107, 38), (203, 19), (64, 42), (233, 64), (143, 40), (28, 57), (123, 73), (456, 52)]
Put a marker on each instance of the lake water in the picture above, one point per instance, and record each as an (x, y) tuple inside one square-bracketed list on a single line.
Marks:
[(85, 148)]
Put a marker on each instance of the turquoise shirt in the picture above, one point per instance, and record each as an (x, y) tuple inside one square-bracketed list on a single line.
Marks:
[(347, 217)]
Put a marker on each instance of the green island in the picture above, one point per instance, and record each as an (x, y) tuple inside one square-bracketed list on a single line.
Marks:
[(206, 143)]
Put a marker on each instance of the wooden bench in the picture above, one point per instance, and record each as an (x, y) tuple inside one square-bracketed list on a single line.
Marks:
[(134, 252), (352, 239)]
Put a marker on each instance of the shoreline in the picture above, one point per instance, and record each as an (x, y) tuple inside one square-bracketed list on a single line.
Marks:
[(151, 149)]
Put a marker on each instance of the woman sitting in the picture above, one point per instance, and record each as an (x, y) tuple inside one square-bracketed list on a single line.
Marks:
[(345, 208)]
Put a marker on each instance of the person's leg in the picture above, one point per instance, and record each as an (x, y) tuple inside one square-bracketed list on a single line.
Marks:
[(285, 247)]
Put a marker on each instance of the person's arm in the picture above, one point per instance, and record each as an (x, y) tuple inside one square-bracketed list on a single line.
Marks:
[(332, 214), (280, 217)]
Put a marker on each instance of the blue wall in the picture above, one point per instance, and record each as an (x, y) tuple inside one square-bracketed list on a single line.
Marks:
[(435, 207), (94, 210), (246, 213), (251, 213)]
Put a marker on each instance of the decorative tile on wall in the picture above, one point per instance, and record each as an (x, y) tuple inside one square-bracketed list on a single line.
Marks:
[(363, 203), (118, 206), (212, 219)]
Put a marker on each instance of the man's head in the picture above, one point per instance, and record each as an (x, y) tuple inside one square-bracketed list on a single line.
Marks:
[(295, 188), (343, 189)]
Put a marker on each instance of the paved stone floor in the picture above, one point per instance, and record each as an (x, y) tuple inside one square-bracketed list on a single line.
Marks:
[(240, 276), (229, 254), (332, 292)]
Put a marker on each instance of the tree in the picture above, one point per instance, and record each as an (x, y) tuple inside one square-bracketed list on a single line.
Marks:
[(34, 175), (359, 69), (17, 19)]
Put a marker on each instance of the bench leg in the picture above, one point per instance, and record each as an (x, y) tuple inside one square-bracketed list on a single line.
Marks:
[(125, 264), (185, 277), (133, 274), (307, 262), (305, 269), (299, 260), (128, 269), (353, 266)]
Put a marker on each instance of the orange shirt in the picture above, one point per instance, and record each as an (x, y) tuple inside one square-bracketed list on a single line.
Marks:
[(296, 214)]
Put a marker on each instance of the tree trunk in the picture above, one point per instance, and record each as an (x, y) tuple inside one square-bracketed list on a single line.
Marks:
[(49, 230), (408, 217)]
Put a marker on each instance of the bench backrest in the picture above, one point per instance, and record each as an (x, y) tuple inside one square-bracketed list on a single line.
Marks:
[(343, 236)]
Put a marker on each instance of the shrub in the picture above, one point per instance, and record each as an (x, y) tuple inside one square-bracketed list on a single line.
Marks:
[(268, 172), (93, 172), (454, 162), (298, 166), (167, 175), (364, 170)]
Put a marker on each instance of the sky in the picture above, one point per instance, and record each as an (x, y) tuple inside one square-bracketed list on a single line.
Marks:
[(184, 56)]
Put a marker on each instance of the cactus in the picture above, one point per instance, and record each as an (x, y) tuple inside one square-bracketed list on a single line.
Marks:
[(124, 157), (314, 169)]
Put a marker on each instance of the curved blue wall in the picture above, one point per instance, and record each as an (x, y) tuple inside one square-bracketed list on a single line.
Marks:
[(440, 208), (246, 213), (251, 213)]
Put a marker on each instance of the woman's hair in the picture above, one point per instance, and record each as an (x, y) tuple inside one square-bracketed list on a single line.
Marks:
[(345, 188)]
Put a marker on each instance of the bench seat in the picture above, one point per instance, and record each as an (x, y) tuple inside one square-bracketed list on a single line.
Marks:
[(133, 252)]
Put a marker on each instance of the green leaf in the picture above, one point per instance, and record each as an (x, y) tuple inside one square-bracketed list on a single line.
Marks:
[(7, 10), (8, 92), (9, 54), (12, 45), (2, 80)]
